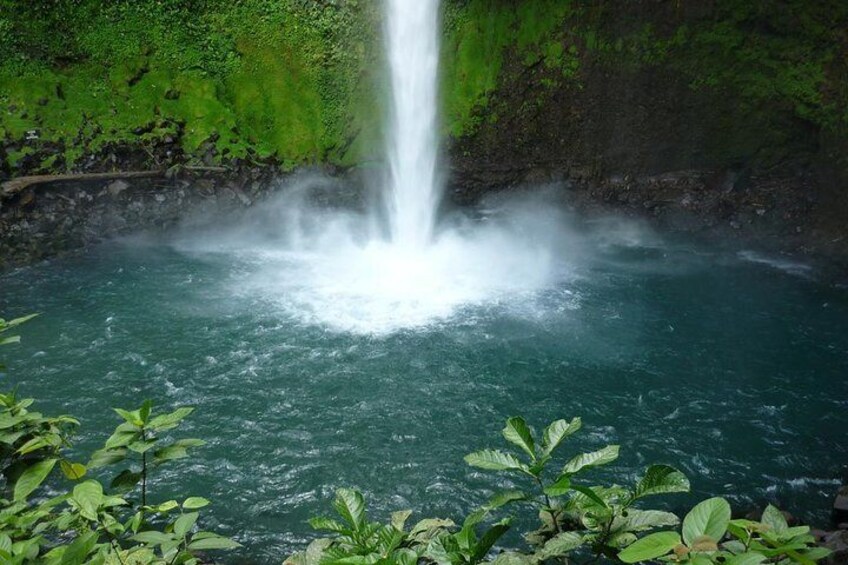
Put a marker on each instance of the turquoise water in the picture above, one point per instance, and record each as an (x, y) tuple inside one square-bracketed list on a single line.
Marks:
[(728, 366)]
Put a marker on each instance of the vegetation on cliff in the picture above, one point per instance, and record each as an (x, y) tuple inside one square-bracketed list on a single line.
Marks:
[(299, 82)]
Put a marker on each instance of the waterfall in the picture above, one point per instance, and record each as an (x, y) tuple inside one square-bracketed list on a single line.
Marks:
[(412, 32), (336, 268)]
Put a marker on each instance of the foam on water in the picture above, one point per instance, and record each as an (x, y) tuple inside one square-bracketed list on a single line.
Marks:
[(328, 267)]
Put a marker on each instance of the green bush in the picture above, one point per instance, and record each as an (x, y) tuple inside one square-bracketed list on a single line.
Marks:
[(577, 519), (87, 523)]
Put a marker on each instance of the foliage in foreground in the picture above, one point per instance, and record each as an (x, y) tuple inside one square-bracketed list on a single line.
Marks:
[(80, 521), (577, 520)]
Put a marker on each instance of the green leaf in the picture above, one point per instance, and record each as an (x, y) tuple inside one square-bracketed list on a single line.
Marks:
[(18, 321), (40, 442), (405, 556), (152, 538), (144, 411), (122, 438), (32, 477), (661, 479), (319, 523), (518, 433), (78, 550), (134, 523), (504, 498), (560, 545), (494, 460), (640, 520), (132, 417), (125, 481), (312, 556), (708, 518), (104, 457), (427, 528), (169, 421), (774, 518), (590, 494), (169, 453), (142, 446), (213, 543), (399, 519), (816, 553), (490, 538), (511, 558), (650, 547), (195, 502), (74, 471), (602, 456), (388, 539), (703, 544), (350, 505), (184, 523), (748, 558), (560, 487), (166, 506), (88, 496), (558, 431)]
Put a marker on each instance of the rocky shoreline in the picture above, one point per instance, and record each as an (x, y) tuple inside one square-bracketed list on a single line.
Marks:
[(50, 218), (836, 539), (774, 214)]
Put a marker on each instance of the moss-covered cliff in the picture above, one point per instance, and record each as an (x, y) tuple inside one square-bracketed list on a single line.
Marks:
[(255, 79), (646, 85)]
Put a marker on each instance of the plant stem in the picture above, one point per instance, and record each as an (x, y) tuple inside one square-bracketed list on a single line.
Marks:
[(143, 471), (548, 504), (112, 540)]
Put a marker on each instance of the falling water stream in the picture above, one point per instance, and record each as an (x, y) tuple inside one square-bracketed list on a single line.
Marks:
[(413, 52)]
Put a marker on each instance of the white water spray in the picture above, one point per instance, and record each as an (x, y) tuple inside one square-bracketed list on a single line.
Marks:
[(413, 53), (328, 267)]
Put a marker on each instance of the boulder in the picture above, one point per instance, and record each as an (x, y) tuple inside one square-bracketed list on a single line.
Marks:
[(840, 506), (117, 186), (837, 542)]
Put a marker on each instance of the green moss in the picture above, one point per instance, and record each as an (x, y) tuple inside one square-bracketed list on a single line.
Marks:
[(283, 79), (481, 34), (766, 59)]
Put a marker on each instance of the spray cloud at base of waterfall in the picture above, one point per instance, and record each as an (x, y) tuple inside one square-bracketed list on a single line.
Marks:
[(395, 266), (328, 266)]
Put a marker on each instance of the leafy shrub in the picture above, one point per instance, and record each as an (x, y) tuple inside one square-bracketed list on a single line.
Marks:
[(87, 524), (577, 519)]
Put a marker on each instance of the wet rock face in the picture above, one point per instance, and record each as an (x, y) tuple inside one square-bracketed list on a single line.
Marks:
[(837, 543), (48, 219)]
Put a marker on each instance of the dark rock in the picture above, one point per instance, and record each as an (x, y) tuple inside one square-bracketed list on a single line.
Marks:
[(837, 542), (117, 186), (840, 506), (819, 535)]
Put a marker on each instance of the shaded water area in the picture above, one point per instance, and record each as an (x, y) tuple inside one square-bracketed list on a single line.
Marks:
[(729, 366)]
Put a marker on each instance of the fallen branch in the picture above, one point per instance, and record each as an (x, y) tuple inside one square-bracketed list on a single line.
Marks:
[(14, 186)]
